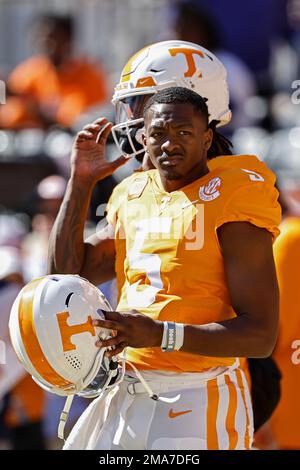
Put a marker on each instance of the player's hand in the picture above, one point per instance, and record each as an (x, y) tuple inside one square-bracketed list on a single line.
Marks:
[(131, 329), (88, 161)]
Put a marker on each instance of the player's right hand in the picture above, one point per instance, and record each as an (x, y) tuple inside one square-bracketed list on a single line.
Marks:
[(88, 161)]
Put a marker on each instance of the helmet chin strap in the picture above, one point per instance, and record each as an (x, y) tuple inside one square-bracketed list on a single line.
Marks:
[(64, 416), (79, 387), (152, 395)]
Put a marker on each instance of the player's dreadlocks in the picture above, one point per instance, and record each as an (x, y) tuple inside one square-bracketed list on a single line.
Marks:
[(220, 145)]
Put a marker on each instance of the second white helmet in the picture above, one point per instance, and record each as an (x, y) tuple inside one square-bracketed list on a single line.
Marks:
[(53, 336)]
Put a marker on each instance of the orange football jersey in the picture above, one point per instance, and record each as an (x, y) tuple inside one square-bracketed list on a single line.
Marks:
[(285, 420), (168, 260)]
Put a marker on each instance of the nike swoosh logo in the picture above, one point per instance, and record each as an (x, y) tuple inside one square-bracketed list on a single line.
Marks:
[(172, 414), (143, 80)]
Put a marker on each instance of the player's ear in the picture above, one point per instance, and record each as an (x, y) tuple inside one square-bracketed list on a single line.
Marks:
[(144, 132), (144, 140), (208, 138)]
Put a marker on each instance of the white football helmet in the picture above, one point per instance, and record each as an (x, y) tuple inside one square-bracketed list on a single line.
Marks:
[(163, 65), (53, 336)]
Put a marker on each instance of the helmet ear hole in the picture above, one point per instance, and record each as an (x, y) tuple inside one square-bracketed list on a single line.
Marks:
[(101, 313), (74, 361)]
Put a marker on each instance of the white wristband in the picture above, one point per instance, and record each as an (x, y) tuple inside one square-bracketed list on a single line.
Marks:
[(173, 336), (179, 337), (164, 338), (168, 342)]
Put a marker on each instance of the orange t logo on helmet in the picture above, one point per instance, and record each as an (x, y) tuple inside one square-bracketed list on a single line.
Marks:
[(188, 54), (67, 331)]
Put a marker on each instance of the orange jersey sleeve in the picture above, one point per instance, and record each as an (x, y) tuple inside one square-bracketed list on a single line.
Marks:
[(255, 203), (22, 80), (82, 86)]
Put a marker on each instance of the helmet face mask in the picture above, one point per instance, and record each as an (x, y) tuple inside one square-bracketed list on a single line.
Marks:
[(163, 65), (107, 376), (127, 137), (130, 124), (53, 336)]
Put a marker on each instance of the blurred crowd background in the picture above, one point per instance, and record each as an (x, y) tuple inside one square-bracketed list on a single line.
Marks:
[(60, 60)]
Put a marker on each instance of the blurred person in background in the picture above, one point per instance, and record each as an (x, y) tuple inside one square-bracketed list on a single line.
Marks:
[(12, 229), (21, 400), (282, 431), (54, 87), (194, 24), (47, 199), (45, 205), (250, 30)]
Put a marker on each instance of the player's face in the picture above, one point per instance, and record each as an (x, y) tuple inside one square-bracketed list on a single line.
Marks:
[(177, 140)]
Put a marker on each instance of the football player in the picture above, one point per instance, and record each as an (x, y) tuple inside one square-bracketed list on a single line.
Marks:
[(182, 63), (200, 286)]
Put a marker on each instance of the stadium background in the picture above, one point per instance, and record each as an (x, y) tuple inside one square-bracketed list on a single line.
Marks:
[(259, 42)]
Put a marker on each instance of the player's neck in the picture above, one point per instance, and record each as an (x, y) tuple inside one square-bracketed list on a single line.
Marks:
[(170, 185)]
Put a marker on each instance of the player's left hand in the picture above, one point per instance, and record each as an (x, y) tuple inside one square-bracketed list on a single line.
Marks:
[(131, 329)]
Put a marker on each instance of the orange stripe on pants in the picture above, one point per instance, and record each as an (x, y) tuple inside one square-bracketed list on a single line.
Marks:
[(232, 408), (241, 387), (211, 414)]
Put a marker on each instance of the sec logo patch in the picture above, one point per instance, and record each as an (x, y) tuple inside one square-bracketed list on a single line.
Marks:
[(210, 191)]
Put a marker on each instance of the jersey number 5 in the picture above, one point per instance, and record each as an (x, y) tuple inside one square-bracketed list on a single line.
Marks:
[(149, 263)]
